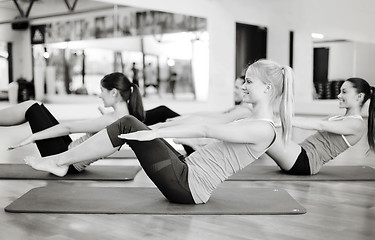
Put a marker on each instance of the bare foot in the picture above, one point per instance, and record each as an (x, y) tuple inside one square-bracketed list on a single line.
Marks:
[(47, 164)]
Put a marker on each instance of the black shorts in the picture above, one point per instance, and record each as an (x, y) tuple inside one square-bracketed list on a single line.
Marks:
[(301, 166)]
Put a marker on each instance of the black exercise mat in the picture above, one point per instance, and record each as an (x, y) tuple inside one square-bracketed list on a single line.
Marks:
[(99, 172), (111, 200), (327, 173)]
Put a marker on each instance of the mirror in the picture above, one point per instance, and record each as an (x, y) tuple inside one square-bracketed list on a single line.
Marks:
[(4, 69), (338, 59), (166, 54)]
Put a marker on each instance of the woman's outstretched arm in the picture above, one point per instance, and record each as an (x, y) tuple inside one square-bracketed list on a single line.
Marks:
[(243, 131), (239, 112), (346, 126), (65, 128)]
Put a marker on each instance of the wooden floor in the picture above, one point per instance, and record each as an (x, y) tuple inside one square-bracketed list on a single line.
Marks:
[(335, 209)]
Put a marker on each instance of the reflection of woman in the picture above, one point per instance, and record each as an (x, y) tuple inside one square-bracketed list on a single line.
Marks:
[(238, 90), (85, 30), (135, 72), (191, 180), (51, 137), (126, 26), (100, 27), (172, 83)]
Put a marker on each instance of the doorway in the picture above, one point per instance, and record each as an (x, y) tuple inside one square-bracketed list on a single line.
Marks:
[(251, 45)]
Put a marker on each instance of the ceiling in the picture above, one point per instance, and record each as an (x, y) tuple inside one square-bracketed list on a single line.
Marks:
[(47, 8)]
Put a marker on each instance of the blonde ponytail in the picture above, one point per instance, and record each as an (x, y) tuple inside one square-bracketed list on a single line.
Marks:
[(287, 102), (282, 80)]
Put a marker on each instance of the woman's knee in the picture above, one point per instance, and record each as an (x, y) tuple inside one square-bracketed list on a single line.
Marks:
[(163, 108), (126, 120), (130, 123), (159, 110), (167, 112), (31, 108)]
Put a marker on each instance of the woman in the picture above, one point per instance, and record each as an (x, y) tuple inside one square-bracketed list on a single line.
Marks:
[(335, 134), (191, 180), (51, 137)]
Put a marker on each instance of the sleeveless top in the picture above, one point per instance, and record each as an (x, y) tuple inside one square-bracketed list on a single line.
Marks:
[(215, 162), (324, 146)]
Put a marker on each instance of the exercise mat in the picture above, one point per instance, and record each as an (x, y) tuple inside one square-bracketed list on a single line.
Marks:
[(112, 200), (99, 172), (327, 173)]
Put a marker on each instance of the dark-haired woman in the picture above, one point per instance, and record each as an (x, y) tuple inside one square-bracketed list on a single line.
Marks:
[(334, 135), (52, 137)]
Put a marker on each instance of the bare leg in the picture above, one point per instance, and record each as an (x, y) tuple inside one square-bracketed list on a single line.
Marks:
[(15, 115), (98, 146)]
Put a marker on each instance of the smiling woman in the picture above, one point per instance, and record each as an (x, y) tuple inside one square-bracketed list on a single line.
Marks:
[(349, 97), (334, 135)]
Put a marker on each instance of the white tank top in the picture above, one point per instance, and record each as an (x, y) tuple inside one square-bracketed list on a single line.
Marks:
[(323, 146), (340, 117)]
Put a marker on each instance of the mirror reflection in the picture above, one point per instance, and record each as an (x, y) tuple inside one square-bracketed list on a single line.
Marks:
[(165, 54), (338, 59), (5, 77)]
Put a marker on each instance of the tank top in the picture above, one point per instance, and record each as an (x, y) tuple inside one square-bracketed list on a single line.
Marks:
[(323, 146), (215, 162)]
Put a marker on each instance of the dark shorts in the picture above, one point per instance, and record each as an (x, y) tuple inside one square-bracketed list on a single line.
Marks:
[(301, 166), (164, 165), (39, 119)]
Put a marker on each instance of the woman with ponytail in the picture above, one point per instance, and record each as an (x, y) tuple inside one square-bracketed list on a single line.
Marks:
[(334, 135), (191, 179), (52, 137), (128, 91)]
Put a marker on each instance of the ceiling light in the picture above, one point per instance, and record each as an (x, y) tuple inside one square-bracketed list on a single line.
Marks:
[(317, 35)]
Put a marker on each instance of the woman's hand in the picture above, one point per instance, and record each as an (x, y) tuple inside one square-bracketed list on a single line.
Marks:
[(28, 140), (145, 135), (168, 123)]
